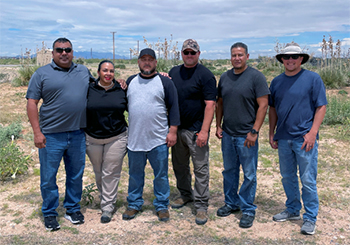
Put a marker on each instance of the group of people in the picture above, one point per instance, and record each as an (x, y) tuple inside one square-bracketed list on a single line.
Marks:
[(80, 114)]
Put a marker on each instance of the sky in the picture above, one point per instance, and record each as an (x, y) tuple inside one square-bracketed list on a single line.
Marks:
[(215, 24)]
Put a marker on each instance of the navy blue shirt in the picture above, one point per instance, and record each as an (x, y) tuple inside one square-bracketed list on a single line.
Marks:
[(295, 99), (63, 92)]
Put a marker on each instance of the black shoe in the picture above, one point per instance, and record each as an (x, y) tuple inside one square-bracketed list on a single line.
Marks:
[(51, 223), (246, 221), (76, 218), (226, 211)]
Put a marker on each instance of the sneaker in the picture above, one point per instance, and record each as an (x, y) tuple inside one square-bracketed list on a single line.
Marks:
[(201, 217), (246, 221), (308, 227), (129, 214), (106, 217), (163, 215), (51, 223), (180, 202), (285, 215), (226, 211), (76, 218)]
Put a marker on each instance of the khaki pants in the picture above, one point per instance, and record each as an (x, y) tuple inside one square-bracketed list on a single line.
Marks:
[(106, 156), (181, 152)]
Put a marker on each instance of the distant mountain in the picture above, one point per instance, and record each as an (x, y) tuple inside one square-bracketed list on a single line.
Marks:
[(97, 55)]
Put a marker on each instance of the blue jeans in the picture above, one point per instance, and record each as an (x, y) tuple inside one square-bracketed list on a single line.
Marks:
[(158, 158), (235, 154), (71, 146), (290, 157)]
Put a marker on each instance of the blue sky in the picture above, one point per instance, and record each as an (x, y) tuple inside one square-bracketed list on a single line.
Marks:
[(215, 24)]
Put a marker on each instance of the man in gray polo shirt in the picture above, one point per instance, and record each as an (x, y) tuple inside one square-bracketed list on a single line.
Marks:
[(62, 86)]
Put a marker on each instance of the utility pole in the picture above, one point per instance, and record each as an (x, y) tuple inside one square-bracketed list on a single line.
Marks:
[(113, 46)]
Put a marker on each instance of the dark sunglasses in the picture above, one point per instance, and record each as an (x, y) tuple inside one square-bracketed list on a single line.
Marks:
[(189, 52), (60, 50), (288, 56)]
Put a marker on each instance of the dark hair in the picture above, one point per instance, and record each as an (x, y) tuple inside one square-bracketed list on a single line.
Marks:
[(102, 62), (240, 45), (61, 40)]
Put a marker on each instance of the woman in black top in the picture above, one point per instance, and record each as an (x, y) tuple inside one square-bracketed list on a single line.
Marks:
[(106, 134)]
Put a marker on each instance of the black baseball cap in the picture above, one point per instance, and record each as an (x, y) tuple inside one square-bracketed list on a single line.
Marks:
[(147, 51)]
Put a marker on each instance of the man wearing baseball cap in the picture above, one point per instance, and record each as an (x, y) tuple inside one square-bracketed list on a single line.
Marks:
[(152, 106), (297, 108), (196, 88)]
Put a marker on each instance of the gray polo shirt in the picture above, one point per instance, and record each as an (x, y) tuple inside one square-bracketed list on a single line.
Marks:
[(63, 92)]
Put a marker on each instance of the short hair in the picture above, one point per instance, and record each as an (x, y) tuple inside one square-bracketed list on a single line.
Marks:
[(61, 40), (240, 45), (102, 62)]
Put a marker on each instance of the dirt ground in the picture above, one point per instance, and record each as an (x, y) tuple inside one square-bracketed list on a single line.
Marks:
[(21, 221)]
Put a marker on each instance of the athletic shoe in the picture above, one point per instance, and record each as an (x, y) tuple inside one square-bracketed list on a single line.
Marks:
[(308, 227), (51, 223), (285, 215), (76, 218)]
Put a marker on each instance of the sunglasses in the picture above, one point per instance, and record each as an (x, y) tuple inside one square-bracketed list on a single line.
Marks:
[(288, 56), (189, 52), (60, 50)]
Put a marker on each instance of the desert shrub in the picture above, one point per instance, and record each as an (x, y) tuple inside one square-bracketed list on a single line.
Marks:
[(334, 77), (7, 132), (87, 196), (3, 77), (13, 161), (164, 65), (338, 111), (10, 61), (120, 66), (80, 61), (25, 73)]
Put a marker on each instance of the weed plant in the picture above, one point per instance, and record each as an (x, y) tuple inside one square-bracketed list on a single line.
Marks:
[(7, 132), (13, 161)]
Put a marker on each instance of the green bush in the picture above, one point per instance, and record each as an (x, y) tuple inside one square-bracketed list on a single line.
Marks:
[(338, 111), (13, 161), (25, 73), (7, 132), (334, 77)]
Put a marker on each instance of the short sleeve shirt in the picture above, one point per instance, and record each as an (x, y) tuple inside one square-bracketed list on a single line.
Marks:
[(63, 92)]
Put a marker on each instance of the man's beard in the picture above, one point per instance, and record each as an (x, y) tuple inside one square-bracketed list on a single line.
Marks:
[(147, 72)]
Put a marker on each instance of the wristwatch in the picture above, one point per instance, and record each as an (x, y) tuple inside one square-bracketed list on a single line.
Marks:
[(253, 131)]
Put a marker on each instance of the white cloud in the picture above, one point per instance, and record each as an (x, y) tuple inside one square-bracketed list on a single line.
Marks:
[(215, 24)]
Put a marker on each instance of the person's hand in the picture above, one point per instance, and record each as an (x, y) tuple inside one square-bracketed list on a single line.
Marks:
[(122, 83), (164, 74), (39, 140), (273, 143), (219, 132), (250, 140), (309, 141), (171, 139), (202, 138)]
